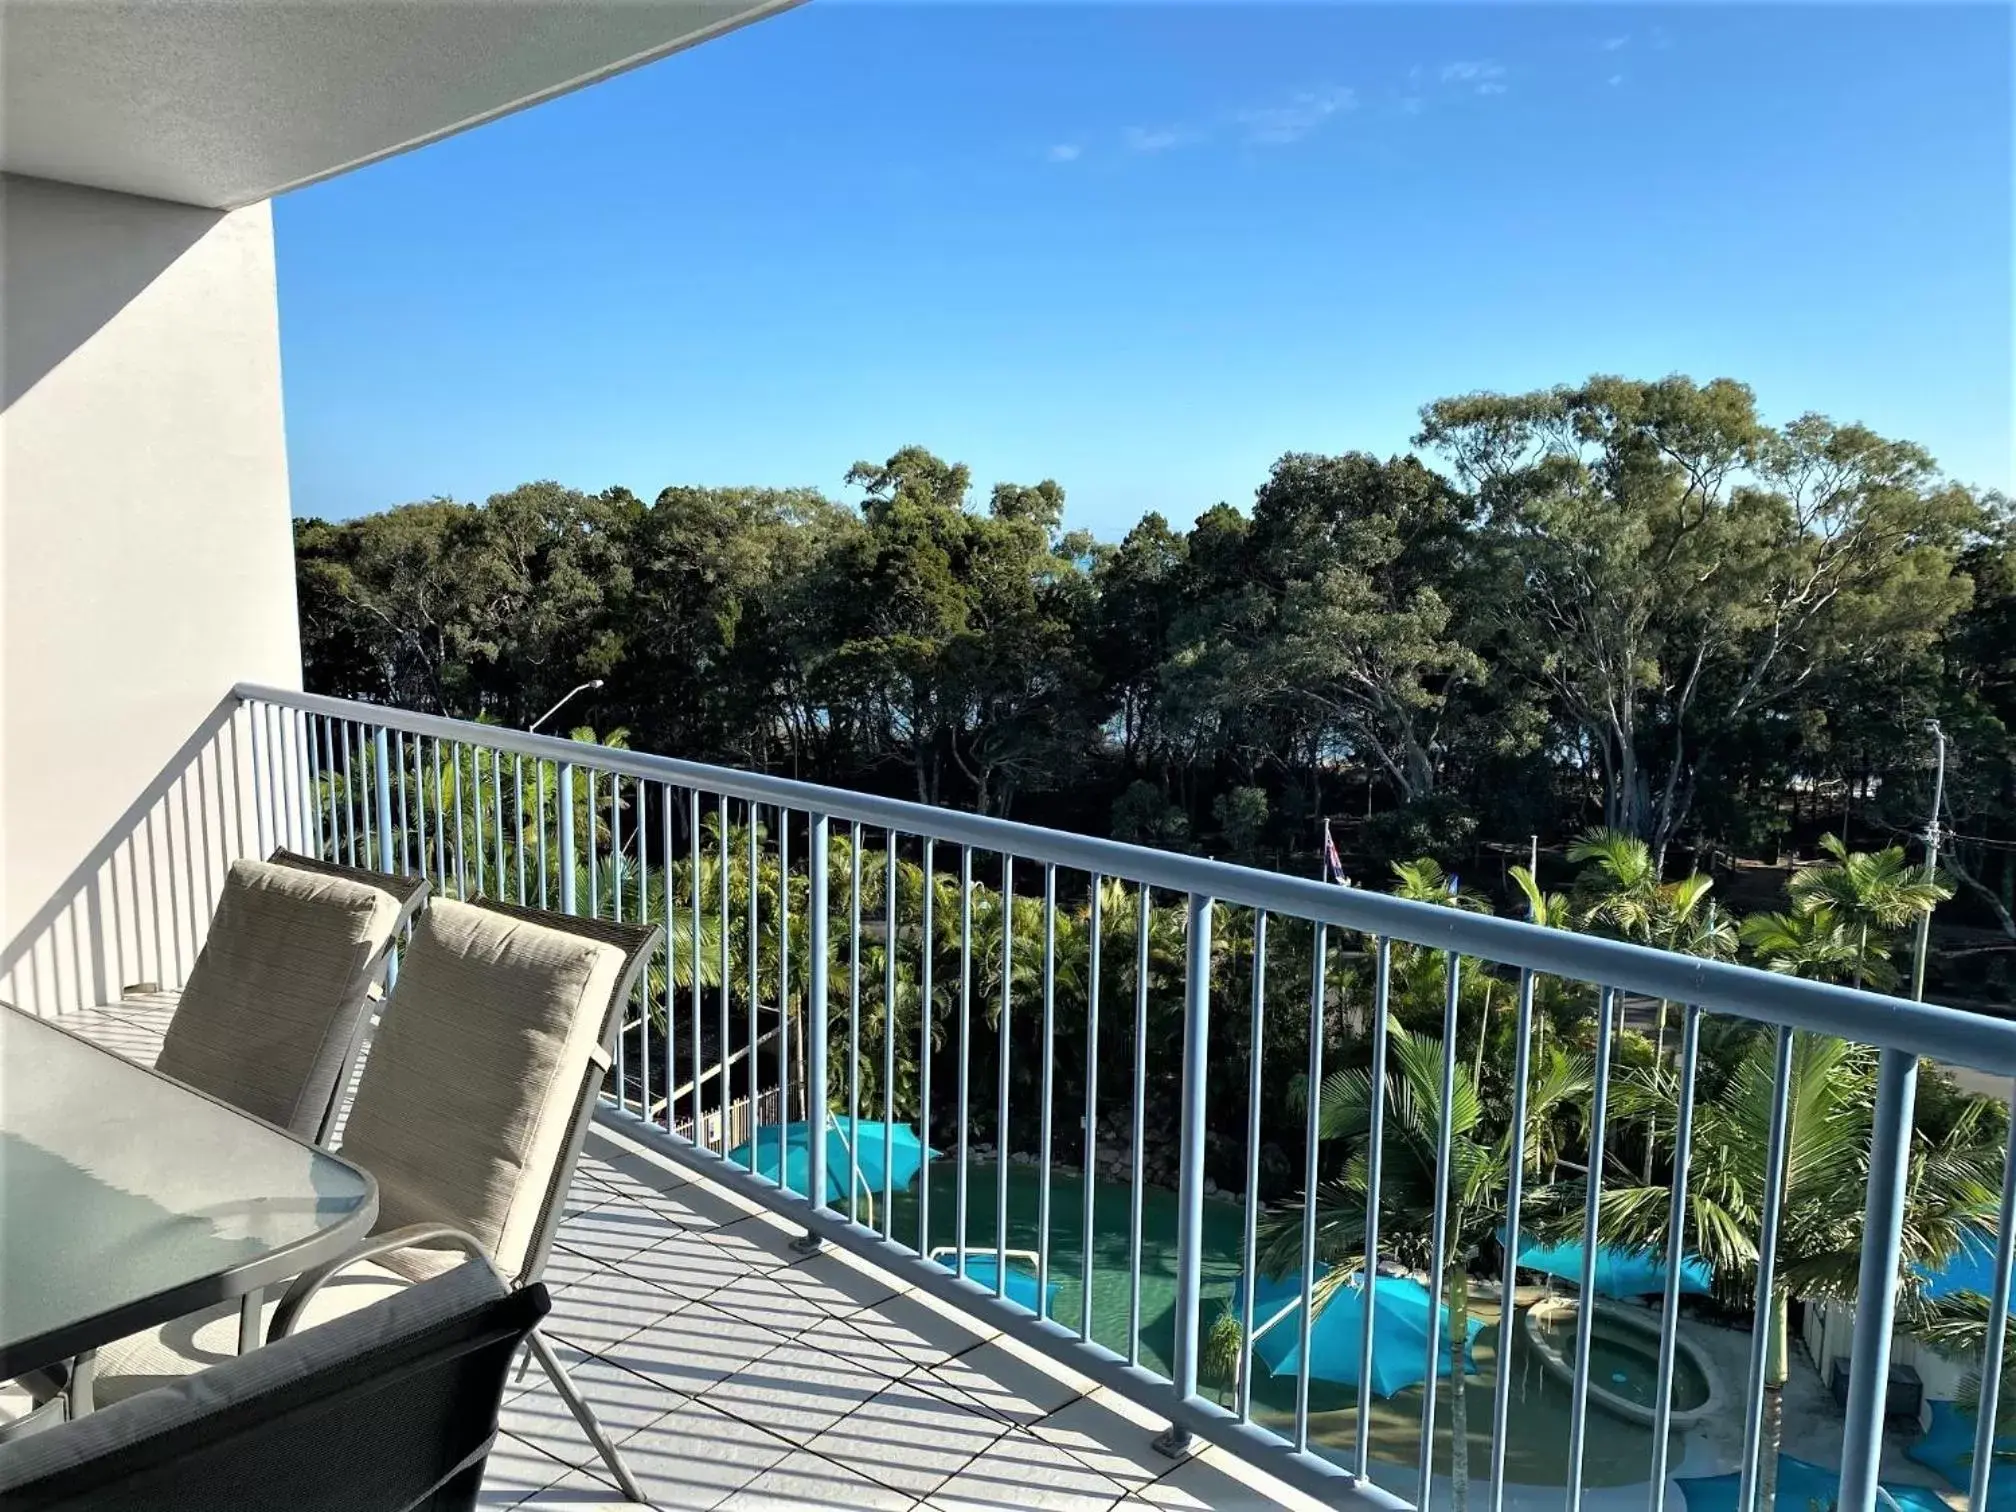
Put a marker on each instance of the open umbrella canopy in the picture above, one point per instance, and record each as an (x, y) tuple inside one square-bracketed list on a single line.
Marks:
[(1801, 1484), (1402, 1326), (1620, 1272), (1970, 1268), (982, 1267), (784, 1152)]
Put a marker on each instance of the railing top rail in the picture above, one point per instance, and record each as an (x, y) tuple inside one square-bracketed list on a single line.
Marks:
[(1928, 1029)]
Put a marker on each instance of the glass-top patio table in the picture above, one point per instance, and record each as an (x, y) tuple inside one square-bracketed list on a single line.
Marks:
[(128, 1199)]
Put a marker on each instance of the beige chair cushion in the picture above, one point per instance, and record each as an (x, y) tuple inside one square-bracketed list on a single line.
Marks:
[(162, 1356), (272, 1003), (466, 1102)]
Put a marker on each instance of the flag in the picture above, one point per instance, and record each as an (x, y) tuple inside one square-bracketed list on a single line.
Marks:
[(1333, 865)]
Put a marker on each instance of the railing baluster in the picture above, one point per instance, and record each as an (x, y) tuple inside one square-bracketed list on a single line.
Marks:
[(497, 810), (518, 818), (462, 829), (1190, 1161), (1140, 1127), (364, 804), (313, 758), (1676, 1254), (1311, 1155), (889, 897), (1375, 1161), (1986, 1410), (568, 896), (1004, 1037), (672, 966), (383, 755), (594, 845), (1439, 1240), (926, 1015), (261, 779), (1515, 1193), (440, 825), (539, 782), (1876, 1289), (405, 816), (1585, 1315), (1090, 1196), (725, 1096), (622, 1067), (754, 963), (817, 861), (1048, 1078), (965, 1049), (1249, 1239), (783, 989), (476, 802), (1767, 1266), (854, 1028), (699, 1067), (642, 828)]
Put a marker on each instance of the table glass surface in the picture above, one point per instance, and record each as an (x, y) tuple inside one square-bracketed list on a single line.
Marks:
[(118, 1185)]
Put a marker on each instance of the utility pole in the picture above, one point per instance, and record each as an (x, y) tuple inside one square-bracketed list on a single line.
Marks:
[(1923, 947)]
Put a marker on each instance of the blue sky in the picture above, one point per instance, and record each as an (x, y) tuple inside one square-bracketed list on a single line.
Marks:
[(1144, 249)]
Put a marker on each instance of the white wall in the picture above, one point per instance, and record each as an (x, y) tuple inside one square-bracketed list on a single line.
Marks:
[(146, 559)]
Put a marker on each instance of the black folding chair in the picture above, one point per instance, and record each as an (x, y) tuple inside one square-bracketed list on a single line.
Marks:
[(386, 1409)]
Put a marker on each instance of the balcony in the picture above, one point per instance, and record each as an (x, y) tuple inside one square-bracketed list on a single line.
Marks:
[(956, 1342)]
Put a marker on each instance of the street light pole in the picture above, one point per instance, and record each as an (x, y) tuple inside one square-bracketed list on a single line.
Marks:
[(533, 728), (1922, 949)]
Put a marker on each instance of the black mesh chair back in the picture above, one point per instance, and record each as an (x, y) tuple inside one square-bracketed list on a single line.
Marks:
[(387, 1409)]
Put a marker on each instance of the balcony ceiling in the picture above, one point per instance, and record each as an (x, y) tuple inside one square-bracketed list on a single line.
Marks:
[(224, 102)]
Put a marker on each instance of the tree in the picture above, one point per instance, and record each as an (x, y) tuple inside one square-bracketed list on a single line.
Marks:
[(1479, 1170), (1955, 1185), (1687, 568), (1874, 896)]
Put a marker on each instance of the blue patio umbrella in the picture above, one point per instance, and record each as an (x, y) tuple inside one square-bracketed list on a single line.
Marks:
[(983, 1266), (1801, 1485), (1401, 1328), (1970, 1268), (1620, 1272), (1948, 1447), (784, 1153)]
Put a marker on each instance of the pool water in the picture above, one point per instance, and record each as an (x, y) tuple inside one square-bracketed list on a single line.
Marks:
[(1618, 1453), (1624, 1361)]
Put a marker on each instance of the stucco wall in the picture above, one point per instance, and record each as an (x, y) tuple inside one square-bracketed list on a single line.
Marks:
[(145, 553)]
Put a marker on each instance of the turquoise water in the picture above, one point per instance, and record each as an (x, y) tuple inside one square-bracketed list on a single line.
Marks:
[(1618, 1453)]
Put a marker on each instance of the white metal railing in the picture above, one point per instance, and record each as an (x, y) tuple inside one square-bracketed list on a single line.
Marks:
[(762, 974)]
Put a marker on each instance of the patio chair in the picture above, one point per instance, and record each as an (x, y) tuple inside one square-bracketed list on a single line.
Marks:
[(389, 1408), (276, 1005), (471, 1111)]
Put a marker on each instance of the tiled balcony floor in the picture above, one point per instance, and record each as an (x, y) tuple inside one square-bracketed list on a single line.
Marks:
[(737, 1375)]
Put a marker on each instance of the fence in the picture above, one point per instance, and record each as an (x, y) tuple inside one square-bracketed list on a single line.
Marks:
[(912, 949)]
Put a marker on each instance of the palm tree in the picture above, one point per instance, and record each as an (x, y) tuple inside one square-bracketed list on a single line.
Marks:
[(1480, 1156), (1874, 894), (1816, 945), (1955, 1185)]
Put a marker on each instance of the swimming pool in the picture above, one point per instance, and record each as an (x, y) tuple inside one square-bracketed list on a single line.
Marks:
[(1618, 1452), (1623, 1359)]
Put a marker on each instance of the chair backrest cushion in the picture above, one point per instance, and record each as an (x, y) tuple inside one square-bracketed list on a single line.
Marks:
[(384, 1407), (272, 1003), (467, 1099)]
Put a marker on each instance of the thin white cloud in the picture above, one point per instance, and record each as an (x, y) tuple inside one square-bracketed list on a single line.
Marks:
[(1613, 44), (1156, 138), (1066, 152), (1471, 71), (1615, 80), (1297, 116), (1410, 105)]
